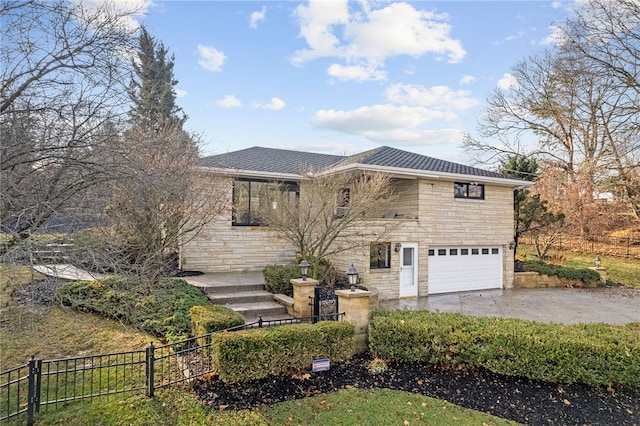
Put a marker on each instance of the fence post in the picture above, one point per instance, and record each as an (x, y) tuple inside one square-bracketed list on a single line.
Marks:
[(33, 391), (628, 245), (260, 321), (150, 369)]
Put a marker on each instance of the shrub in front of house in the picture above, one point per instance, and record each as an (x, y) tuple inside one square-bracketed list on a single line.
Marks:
[(593, 354), (253, 354), (161, 309), (277, 278), (209, 318), (588, 276)]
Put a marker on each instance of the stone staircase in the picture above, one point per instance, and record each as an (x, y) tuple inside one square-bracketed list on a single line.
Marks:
[(243, 292)]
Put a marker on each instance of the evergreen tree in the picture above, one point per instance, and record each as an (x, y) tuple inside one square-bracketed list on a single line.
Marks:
[(152, 88)]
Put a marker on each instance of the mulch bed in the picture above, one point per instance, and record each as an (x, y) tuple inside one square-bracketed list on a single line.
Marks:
[(522, 400)]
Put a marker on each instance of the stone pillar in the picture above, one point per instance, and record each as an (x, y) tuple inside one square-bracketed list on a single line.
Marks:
[(302, 292), (602, 271), (355, 305)]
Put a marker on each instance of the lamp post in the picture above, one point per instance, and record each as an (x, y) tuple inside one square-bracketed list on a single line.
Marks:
[(304, 269), (598, 262), (352, 273)]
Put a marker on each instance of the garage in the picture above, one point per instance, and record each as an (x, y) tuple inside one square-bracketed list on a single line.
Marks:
[(453, 269)]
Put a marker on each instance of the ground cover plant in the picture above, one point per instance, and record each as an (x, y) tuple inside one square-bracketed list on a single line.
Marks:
[(161, 309)]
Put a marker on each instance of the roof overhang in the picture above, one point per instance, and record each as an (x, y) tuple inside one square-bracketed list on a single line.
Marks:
[(251, 173), (424, 174)]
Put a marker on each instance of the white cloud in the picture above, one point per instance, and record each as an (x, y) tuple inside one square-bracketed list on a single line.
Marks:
[(180, 93), (127, 11), (508, 82), (442, 98), (257, 16), (228, 101), (357, 73), (276, 104), (556, 4), (466, 79), (211, 59), (371, 120), (556, 35), (370, 36)]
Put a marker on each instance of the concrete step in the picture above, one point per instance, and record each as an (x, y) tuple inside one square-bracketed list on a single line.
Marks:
[(251, 311), (232, 288), (253, 296)]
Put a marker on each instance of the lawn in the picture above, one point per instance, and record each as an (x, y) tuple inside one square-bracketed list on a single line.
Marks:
[(51, 332), (624, 271), (347, 407)]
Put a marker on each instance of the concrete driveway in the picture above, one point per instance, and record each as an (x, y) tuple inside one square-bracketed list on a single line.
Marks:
[(561, 305)]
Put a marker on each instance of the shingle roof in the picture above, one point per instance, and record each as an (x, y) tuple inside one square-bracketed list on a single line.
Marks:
[(399, 159), (271, 160)]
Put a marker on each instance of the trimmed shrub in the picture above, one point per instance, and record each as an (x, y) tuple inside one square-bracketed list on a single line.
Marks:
[(587, 276), (277, 278), (594, 354), (209, 318), (253, 354), (161, 309)]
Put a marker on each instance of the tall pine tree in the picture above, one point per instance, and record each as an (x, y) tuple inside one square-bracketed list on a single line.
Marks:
[(152, 88)]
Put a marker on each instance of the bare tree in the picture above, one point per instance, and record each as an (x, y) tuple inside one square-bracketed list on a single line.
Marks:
[(62, 104), (330, 215), (159, 200), (607, 34), (572, 112)]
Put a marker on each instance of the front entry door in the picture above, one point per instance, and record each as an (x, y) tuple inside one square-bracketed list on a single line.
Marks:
[(409, 270)]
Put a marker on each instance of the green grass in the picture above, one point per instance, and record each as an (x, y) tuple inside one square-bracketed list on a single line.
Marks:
[(346, 407), (624, 271), (375, 407)]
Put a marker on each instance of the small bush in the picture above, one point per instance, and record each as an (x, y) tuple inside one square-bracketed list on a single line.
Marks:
[(253, 354), (161, 309), (277, 278), (378, 366), (594, 354), (209, 318), (587, 276)]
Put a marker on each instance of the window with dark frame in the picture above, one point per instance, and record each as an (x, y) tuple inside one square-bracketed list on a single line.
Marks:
[(380, 255), (473, 191), (251, 197)]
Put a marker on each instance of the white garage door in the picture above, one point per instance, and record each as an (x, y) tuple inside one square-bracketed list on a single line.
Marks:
[(464, 268)]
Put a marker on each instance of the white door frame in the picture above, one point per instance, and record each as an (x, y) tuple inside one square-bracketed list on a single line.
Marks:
[(408, 279)]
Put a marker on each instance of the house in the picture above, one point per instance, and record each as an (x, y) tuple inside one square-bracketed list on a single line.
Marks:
[(453, 224)]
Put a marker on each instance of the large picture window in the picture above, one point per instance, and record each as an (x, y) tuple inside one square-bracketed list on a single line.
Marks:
[(473, 191), (252, 197), (380, 256)]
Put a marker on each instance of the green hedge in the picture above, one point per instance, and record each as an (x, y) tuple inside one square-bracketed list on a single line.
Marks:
[(253, 354), (161, 309), (587, 276), (209, 318), (594, 354), (277, 278)]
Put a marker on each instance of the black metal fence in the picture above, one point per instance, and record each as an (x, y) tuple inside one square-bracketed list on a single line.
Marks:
[(39, 384), (597, 245)]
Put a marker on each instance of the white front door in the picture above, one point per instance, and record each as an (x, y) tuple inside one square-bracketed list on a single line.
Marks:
[(409, 270)]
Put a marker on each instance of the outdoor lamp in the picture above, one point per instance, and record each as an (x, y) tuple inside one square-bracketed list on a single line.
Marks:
[(352, 273), (397, 247), (598, 262), (512, 245), (304, 269)]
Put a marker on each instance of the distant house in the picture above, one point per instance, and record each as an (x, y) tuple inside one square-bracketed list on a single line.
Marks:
[(454, 223)]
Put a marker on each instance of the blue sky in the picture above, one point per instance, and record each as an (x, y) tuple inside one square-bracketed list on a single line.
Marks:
[(341, 77)]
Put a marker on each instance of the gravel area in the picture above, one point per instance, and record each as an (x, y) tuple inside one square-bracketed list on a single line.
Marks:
[(525, 401)]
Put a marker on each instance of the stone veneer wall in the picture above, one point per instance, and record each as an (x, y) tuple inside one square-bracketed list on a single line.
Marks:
[(222, 247), (442, 221)]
